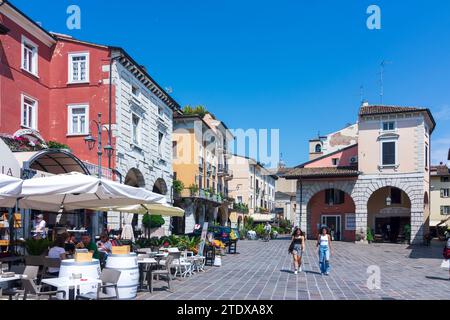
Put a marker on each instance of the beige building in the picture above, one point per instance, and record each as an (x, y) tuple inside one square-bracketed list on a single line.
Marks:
[(253, 185), (380, 181), (440, 195), (200, 148)]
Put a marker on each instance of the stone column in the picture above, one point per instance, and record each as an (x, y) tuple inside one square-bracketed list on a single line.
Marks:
[(361, 220), (417, 221)]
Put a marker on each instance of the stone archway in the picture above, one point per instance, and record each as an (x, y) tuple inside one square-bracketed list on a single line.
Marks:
[(135, 178), (411, 184), (389, 214), (334, 208), (308, 189), (160, 187)]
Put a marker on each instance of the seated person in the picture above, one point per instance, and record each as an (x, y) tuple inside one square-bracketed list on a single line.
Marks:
[(57, 251), (70, 244), (104, 245), (87, 243)]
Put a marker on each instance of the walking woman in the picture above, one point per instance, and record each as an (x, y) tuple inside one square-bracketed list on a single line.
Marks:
[(324, 245), (298, 247)]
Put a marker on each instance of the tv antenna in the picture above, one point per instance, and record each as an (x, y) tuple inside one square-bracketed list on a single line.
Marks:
[(382, 66), (361, 93)]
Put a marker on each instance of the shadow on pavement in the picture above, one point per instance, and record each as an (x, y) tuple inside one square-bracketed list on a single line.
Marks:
[(434, 251), (437, 278)]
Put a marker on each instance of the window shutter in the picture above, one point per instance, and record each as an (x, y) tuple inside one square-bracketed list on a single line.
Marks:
[(442, 210), (442, 193)]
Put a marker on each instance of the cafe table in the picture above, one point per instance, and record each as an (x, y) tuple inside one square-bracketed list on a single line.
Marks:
[(73, 285), (142, 263)]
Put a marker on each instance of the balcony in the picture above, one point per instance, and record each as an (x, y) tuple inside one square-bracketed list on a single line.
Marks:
[(93, 169), (225, 152), (223, 171), (202, 194)]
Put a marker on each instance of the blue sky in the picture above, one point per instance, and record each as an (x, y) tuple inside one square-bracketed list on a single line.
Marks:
[(293, 65)]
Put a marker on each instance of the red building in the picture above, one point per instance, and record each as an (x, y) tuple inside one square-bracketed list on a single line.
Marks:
[(52, 85)]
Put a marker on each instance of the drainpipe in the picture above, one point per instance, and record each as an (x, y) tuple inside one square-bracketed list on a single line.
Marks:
[(301, 202), (111, 60)]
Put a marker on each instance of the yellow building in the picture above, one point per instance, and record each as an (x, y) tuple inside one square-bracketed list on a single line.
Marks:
[(440, 195), (200, 149)]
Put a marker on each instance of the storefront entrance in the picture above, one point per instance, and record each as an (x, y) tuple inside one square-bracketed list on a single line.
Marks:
[(391, 229), (334, 225)]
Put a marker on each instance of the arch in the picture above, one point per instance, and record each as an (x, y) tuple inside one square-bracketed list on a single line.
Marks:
[(312, 189), (389, 214), (160, 187), (318, 148), (135, 178), (330, 204)]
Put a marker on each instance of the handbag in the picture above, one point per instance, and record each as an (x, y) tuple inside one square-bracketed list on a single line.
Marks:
[(446, 253), (445, 264), (291, 247)]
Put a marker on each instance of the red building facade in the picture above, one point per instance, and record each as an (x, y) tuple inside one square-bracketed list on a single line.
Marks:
[(53, 85)]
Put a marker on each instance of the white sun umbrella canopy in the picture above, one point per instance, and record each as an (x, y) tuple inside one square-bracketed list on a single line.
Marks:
[(75, 191), (10, 190), (154, 209)]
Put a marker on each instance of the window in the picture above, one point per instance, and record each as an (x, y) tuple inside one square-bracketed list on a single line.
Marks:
[(78, 67), (200, 182), (426, 155), (396, 196), (174, 148), (239, 199), (318, 148), (251, 202), (136, 129), (160, 141), (160, 112), (335, 161), (388, 153), (445, 193), (29, 56), (445, 210), (350, 222), (78, 119), (389, 126), (444, 179), (29, 112), (334, 197), (135, 91)]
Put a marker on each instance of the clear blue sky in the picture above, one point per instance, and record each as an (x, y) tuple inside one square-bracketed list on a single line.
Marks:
[(292, 65)]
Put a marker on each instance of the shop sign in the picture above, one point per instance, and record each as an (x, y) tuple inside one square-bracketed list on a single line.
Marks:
[(203, 238), (8, 162)]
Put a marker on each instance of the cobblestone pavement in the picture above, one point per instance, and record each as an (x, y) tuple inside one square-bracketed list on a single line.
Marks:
[(262, 271)]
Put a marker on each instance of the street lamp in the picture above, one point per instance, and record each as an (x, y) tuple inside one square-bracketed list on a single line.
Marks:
[(90, 141)]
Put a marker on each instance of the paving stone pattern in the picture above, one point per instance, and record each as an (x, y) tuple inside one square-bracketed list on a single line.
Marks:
[(263, 271)]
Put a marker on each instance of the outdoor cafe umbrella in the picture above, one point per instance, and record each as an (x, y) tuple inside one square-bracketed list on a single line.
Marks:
[(160, 209), (73, 191), (10, 189)]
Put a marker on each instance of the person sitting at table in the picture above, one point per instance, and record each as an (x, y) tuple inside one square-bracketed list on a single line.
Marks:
[(87, 243), (70, 244), (104, 245), (57, 251)]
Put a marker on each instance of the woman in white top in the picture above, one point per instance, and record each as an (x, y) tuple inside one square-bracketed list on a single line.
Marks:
[(57, 252), (324, 245)]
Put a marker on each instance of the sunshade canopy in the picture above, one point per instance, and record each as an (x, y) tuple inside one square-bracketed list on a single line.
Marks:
[(75, 191), (10, 190), (162, 209)]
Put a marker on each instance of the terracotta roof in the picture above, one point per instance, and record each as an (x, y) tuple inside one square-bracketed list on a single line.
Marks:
[(441, 170), (385, 109), (377, 109), (297, 173)]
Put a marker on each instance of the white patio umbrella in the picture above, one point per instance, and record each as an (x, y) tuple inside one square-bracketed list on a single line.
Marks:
[(10, 190), (75, 191), (154, 209)]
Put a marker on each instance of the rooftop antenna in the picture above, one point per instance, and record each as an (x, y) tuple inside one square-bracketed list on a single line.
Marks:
[(361, 93), (382, 66)]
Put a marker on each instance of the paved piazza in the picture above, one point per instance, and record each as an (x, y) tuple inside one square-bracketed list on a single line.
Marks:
[(262, 271)]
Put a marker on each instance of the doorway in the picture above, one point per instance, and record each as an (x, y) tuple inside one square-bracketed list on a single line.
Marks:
[(334, 225)]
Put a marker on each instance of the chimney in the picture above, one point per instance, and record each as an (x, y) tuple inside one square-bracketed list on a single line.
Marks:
[(365, 104)]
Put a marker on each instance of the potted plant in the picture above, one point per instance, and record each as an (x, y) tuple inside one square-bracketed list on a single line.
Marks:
[(193, 189), (369, 235), (36, 249), (178, 187)]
